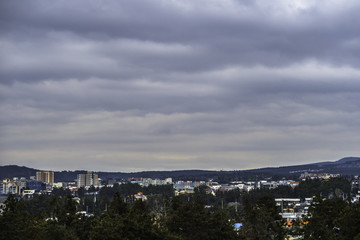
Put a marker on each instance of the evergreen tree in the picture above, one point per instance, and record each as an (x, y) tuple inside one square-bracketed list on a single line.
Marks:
[(192, 221), (348, 223), (111, 225), (14, 219), (321, 218), (261, 220), (67, 214)]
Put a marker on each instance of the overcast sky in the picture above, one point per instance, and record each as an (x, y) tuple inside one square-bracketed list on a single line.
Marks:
[(178, 84)]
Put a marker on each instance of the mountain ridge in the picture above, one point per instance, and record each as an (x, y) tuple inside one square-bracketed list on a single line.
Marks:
[(344, 166)]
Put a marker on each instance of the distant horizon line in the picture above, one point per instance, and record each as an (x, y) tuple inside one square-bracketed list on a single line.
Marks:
[(176, 170)]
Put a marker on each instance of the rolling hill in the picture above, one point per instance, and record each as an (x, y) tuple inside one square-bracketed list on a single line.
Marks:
[(344, 166)]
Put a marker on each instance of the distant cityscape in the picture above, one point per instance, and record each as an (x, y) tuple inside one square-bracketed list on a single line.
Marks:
[(291, 208), (290, 201)]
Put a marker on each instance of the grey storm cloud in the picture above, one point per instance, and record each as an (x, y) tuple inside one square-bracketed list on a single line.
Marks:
[(155, 84), (109, 38)]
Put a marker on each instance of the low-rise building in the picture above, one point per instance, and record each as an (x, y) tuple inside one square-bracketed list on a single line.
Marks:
[(293, 208)]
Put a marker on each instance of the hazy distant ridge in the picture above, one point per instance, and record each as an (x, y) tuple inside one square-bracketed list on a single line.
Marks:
[(344, 166)]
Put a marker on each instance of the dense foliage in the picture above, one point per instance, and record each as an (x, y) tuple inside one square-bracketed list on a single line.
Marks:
[(184, 220), (118, 215)]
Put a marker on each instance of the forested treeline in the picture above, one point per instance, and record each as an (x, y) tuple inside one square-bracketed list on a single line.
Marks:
[(332, 219), (188, 220), (117, 215), (122, 220)]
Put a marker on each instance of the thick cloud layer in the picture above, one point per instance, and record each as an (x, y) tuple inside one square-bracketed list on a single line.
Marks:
[(155, 84)]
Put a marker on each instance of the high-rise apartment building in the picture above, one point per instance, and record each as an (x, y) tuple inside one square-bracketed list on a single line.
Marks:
[(87, 179), (45, 176), (81, 180)]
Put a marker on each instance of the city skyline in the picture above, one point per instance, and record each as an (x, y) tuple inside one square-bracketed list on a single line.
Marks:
[(169, 85)]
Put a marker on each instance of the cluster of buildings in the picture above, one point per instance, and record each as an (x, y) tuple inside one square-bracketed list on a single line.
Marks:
[(293, 208), (145, 182), (23, 186), (44, 181), (188, 186), (321, 176), (182, 187)]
